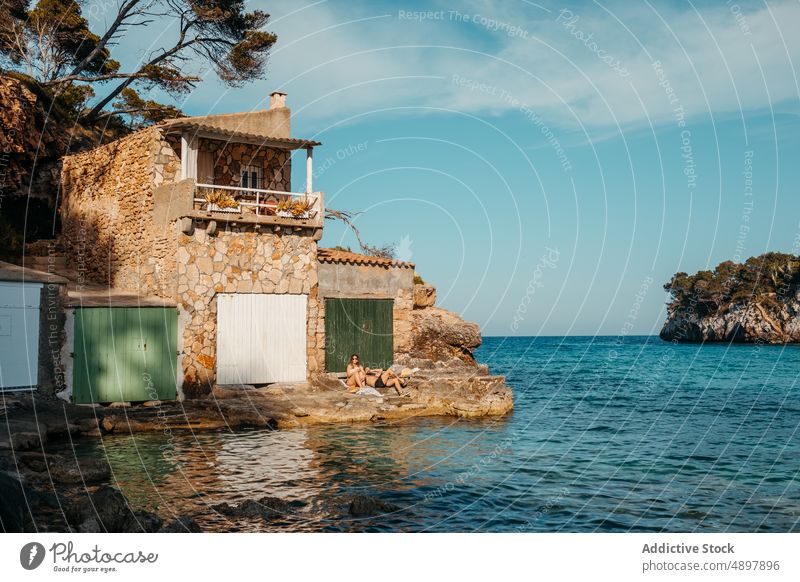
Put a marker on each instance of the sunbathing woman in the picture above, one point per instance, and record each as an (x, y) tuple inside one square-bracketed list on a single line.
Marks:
[(378, 378), (356, 374)]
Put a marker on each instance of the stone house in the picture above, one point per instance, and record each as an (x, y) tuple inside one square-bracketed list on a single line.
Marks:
[(211, 265), (199, 211)]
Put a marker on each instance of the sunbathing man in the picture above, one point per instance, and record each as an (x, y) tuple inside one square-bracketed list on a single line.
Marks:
[(378, 378)]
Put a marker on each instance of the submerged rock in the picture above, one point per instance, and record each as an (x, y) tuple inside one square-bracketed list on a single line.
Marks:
[(366, 506), (14, 496), (267, 508), (107, 510), (181, 525)]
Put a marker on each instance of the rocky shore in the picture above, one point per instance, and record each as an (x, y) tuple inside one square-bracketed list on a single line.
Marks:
[(69, 493)]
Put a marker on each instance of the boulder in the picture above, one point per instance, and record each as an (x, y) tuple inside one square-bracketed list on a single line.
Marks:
[(70, 470), (19, 501), (21, 441), (424, 296), (14, 495), (440, 335)]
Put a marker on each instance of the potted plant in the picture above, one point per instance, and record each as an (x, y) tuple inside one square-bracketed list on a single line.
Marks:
[(220, 201), (301, 207), (284, 208)]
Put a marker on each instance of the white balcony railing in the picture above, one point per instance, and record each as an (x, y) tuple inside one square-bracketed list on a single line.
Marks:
[(261, 202)]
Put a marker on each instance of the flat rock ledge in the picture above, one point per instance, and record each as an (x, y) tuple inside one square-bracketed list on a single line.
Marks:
[(453, 389)]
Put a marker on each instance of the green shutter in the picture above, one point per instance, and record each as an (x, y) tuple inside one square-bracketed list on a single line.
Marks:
[(358, 326), (124, 354)]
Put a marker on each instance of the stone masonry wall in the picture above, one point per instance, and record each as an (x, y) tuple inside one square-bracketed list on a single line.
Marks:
[(230, 157), (238, 260), (167, 162), (106, 211)]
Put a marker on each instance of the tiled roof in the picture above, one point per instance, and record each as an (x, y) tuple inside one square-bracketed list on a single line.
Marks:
[(199, 126), (349, 258)]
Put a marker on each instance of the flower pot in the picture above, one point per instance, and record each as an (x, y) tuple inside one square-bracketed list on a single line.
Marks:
[(215, 208)]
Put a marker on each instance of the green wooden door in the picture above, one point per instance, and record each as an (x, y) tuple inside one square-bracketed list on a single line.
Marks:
[(124, 354), (358, 326)]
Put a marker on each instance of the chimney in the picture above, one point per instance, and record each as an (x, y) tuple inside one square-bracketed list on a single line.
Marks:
[(277, 99)]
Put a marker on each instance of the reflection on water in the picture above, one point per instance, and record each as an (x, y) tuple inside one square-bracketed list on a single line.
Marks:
[(667, 439), (318, 468)]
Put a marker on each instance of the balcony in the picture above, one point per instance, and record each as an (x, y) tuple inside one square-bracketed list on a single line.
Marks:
[(257, 205), (223, 171)]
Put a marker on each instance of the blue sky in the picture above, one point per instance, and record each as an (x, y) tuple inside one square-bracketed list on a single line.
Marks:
[(547, 166)]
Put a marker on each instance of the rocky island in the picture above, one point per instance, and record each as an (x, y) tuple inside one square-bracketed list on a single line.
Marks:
[(757, 301)]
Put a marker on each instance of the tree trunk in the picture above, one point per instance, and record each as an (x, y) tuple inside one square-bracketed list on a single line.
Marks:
[(93, 114)]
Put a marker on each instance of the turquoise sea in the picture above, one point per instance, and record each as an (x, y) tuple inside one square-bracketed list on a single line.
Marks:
[(607, 435)]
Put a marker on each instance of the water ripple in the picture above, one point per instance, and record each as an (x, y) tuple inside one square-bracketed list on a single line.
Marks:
[(706, 443)]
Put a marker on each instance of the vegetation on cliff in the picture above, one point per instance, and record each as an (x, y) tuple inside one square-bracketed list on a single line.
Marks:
[(767, 280)]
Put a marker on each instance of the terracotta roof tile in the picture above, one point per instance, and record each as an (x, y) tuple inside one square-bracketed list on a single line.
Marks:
[(349, 258)]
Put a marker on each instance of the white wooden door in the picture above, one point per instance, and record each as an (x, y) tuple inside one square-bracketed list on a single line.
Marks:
[(261, 338), (19, 334)]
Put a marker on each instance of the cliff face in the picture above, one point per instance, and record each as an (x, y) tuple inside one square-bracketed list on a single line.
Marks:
[(29, 140), (745, 322), (31, 146), (35, 133), (755, 301)]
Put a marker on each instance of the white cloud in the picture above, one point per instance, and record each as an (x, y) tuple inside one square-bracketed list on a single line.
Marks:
[(338, 60)]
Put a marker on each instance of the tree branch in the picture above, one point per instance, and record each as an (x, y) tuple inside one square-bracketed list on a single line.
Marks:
[(110, 76), (180, 45), (347, 217), (127, 111), (122, 14)]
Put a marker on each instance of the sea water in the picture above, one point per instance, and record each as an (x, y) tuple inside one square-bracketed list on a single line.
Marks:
[(607, 434)]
